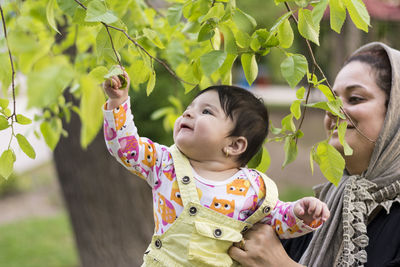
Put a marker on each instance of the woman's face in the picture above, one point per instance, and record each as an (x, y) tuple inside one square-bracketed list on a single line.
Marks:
[(364, 102)]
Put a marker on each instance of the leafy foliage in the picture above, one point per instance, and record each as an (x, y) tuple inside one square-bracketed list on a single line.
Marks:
[(74, 45)]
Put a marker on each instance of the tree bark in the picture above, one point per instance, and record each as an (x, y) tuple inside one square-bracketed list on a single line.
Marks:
[(110, 208)]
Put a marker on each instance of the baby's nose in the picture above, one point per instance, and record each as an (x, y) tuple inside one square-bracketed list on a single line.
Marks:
[(187, 113)]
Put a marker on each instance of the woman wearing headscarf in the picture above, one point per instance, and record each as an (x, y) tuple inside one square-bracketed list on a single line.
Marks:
[(364, 227)]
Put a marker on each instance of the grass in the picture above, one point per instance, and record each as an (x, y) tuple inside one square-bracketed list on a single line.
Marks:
[(38, 242)]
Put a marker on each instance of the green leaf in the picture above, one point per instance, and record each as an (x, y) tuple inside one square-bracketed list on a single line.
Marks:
[(140, 71), (242, 39), (3, 123), (265, 161), (285, 34), (300, 93), (7, 160), (318, 11), (288, 124), (295, 109), (226, 69), (250, 67), (358, 13), (114, 71), (335, 106), (99, 73), (243, 21), (26, 146), (104, 48), (45, 85), (159, 113), (312, 152), (50, 15), (92, 101), (153, 37), (290, 148), (331, 162), (337, 14), (174, 14), (4, 103), (280, 21), (326, 91), (21, 119), (212, 61), (306, 26), (294, 68), (255, 160), (216, 12), (51, 132), (342, 132), (68, 7), (206, 32), (175, 52), (330, 106), (98, 12), (186, 72), (275, 130), (151, 83), (229, 39)]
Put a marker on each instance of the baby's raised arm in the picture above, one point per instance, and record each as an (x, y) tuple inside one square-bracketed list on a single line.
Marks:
[(116, 94)]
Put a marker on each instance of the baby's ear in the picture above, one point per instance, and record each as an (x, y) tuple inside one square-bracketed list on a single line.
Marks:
[(237, 146)]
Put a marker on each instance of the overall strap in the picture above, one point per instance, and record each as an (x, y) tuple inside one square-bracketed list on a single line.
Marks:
[(270, 200), (184, 177)]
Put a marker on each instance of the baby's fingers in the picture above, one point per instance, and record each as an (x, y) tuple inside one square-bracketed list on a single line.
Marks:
[(311, 207), (317, 211), (325, 212), (116, 83)]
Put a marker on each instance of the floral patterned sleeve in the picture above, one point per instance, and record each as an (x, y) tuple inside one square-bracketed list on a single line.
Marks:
[(138, 154), (285, 222)]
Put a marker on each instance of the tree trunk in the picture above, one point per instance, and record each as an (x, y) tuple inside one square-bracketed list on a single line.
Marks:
[(110, 208)]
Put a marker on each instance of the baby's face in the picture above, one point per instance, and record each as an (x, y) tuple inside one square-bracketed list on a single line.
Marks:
[(202, 131)]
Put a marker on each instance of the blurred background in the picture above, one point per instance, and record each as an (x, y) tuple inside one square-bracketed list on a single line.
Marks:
[(35, 225)]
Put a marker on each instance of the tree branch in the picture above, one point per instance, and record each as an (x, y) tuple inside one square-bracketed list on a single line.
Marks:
[(12, 65), (315, 64), (165, 65)]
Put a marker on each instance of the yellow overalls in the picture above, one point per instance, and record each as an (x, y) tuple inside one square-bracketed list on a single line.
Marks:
[(201, 236)]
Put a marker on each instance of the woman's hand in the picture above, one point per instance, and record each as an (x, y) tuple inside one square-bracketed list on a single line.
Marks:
[(261, 248), (113, 88)]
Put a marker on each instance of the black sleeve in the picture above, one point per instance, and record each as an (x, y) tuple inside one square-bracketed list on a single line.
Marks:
[(295, 247), (384, 239)]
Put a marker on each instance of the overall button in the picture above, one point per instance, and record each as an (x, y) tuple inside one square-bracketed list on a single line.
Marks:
[(192, 210), (158, 243), (245, 229), (186, 180), (266, 210), (217, 232)]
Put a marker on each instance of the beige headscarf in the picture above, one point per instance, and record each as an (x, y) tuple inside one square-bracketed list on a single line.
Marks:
[(342, 240)]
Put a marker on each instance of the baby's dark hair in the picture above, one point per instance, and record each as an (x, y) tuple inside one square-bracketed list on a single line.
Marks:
[(378, 60), (249, 115)]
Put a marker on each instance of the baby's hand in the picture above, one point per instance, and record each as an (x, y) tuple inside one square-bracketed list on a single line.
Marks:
[(310, 208), (113, 88)]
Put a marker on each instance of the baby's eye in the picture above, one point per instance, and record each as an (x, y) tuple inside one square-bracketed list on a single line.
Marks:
[(206, 111)]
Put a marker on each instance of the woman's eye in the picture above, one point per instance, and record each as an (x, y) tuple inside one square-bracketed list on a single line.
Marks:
[(206, 111), (355, 99)]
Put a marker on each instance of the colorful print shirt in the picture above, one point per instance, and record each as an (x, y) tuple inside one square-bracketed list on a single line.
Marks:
[(237, 197)]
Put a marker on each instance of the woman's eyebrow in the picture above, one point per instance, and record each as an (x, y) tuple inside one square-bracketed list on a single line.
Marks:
[(354, 86)]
